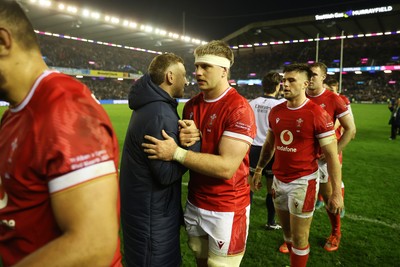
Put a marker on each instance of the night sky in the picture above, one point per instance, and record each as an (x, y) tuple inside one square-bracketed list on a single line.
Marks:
[(218, 18)]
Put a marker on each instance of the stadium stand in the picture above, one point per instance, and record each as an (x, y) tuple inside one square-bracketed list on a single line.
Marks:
[(373, 86)]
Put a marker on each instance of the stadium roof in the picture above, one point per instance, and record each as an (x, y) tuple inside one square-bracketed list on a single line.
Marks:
[(383, 19), (357, 22)]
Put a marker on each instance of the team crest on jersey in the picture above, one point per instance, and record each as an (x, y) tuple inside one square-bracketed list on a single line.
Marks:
[(220, 244), (299, 122), (277, 120), (323, 105), (211, 120), (14, 145)]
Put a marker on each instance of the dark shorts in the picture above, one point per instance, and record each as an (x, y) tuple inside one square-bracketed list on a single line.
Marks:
[(254, 156)]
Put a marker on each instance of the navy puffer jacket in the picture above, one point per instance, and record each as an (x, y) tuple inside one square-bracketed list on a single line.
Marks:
[(151, 210)]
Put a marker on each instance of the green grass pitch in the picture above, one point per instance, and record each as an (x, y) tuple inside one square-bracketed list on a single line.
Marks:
[(371, 226)]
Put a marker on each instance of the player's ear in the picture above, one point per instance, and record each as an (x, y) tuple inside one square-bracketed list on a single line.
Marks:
[(5, 42), (306, 83), (169, 77)]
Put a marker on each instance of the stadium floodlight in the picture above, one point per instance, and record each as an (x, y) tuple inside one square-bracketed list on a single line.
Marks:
[(196, 41), (72, 9), (85, 13), (173, 35), (95, 15), (146, 28), (186, 38), (162, 32), (45, 3)]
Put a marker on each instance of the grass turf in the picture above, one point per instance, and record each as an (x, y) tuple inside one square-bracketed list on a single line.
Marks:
[(371, 226)]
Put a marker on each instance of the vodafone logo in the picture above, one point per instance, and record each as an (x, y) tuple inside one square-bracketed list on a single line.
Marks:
[(286, 137)]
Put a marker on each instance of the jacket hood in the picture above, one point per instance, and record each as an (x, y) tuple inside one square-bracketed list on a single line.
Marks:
[(144, 91)]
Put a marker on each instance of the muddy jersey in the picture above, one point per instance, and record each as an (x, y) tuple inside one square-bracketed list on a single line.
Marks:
[(59, 137), (296, 132), (230, 115)]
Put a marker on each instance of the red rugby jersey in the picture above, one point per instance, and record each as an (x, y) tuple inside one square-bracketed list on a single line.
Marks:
[(57, 138), (228, 115), (296, 132)]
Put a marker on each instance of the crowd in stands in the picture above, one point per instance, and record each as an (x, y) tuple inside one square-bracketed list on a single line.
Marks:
[(374, 87), (104, 88), (61, 52)]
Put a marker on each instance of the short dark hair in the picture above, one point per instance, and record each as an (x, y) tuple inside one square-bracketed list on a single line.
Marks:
[(331, 82), (270, 81), (13, 17), (320, 65), (299, 67), (160, 64)]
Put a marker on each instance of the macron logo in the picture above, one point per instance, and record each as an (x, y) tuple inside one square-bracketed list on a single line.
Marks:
[(220, 244)]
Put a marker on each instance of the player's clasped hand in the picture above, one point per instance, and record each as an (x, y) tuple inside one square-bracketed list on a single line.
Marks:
[(160, 149), (188, 133)]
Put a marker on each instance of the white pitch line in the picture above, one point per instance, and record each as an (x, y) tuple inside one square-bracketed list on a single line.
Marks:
[(349, 216), (355, 217)]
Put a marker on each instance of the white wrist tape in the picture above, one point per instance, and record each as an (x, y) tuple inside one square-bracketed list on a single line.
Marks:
[(327, 140), (179, 155)]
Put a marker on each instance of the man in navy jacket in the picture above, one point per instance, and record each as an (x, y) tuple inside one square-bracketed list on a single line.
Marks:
[(151, 210)]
